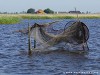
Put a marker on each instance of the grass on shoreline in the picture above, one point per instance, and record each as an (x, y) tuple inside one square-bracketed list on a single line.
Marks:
[(15, 18), (59, 16), (9, 20)]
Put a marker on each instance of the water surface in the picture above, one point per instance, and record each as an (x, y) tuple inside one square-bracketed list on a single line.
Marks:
[(14, 59)]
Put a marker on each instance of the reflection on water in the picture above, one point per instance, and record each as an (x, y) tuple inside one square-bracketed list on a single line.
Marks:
[(15, 61)]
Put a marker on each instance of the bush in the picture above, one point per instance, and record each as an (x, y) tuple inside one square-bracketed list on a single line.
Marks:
[(31, 10), (48, 11)]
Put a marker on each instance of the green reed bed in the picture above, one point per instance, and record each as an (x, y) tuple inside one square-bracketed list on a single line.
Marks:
[(48, 16), (36, 17), (59, 16), (89, 17), (9, 20), (16, 18)]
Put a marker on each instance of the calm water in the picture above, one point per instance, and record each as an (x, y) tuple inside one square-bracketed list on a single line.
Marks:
[(15, 61)]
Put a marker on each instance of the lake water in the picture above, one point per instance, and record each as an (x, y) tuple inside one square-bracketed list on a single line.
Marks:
[(14, 59)]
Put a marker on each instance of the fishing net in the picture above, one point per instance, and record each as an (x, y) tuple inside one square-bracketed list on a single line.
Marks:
[(73, 36)]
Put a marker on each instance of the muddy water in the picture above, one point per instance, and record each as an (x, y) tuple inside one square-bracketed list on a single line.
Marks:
[(15, 61)]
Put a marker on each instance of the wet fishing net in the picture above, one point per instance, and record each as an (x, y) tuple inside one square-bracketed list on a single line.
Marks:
[(73, 36)]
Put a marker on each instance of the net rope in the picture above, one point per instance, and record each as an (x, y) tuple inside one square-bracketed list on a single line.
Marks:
[(73, 37)]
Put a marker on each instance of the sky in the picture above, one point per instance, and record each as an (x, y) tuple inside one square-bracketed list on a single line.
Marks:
[(56, 5)]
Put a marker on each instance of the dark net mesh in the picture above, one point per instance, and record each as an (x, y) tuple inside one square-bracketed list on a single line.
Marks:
[(74, 36)]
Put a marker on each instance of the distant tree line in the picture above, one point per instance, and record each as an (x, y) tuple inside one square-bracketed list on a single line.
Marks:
[(47, 11)]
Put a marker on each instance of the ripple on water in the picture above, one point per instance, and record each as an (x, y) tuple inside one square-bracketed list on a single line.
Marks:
[(14, 59)]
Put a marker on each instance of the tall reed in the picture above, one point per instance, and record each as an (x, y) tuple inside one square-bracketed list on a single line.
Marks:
[(9, 20), (15, 18)]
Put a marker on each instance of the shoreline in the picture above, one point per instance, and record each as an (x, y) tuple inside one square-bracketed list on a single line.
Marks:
[(16, 18)]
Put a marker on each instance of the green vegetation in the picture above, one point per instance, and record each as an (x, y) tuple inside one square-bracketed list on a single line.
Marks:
[(9, 20), (31, 10), (16, 18), (48, 11), (59, 16), (89, 17)]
